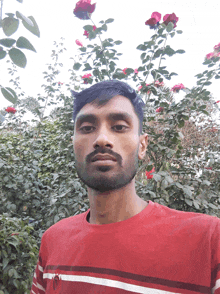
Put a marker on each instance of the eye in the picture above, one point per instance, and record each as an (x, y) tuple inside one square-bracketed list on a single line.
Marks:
[(121, 126)]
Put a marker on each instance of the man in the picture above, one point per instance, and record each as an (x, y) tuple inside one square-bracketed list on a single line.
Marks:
[(123, 244)]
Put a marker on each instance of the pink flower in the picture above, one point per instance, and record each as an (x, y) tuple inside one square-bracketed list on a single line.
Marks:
[(86, 33), (158, 84), (84, 9), (159, 109), (217, 47), (11, 109), (148, 174), (136, 71), (153, 22), (178, 87), (79, 43), (141, 87), (59, 83), (124, 70), (210, 55), (170, 18), (86, 77)]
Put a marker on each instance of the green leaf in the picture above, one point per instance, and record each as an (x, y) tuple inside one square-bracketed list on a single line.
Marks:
[(179, 32), (10, 25), (181, 124), (24, 18), (142, 47), (9, 94), (169, 27), (104, 27), (216, 77), (180, 51), (7, 42), (33, 29), (77, 66), (88, 28), (83, 49), (143, 55), (169, 51), (109, 20), (118, 42), (2, 54), (18, 57), (23, 43), (101, 21)]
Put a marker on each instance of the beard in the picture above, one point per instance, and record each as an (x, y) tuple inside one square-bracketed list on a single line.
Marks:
[(105, 178)]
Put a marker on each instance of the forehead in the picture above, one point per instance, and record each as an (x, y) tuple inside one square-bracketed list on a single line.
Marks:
[(116, 104)]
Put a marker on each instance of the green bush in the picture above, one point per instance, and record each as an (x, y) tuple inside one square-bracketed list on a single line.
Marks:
[(18, 255)]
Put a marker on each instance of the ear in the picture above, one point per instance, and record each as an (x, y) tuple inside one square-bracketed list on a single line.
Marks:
[(142, 146)]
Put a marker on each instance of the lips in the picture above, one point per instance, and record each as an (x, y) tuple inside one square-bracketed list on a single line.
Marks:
[(103, 157)]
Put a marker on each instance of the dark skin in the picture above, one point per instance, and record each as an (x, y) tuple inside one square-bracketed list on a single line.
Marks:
[(111, 185)]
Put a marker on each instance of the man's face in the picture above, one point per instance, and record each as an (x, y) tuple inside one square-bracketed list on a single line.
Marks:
[(107, 136)]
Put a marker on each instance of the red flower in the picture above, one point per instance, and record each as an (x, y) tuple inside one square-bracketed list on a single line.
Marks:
[(158, 84), (178, 87), (153, 22), (11, 109), (124, 70), (79, 43), (148, 174), (84, 9), (159, 109), (86, 33), (217, 47), (170, 18), (86, 77), (208, 168), (217, 101), (14, 234)]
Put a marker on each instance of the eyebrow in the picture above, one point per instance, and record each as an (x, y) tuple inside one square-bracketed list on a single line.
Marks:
[(111, 116)]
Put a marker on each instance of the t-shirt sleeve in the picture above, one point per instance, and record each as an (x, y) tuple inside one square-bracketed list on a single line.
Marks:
[(38, 284), (215, 275)]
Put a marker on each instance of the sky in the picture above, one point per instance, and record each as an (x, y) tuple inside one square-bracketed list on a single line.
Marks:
[(199, 21)]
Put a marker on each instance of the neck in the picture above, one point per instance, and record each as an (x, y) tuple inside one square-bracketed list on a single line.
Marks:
[(111, 207)]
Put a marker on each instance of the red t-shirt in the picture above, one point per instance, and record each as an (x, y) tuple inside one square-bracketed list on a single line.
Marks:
[(159, 250)]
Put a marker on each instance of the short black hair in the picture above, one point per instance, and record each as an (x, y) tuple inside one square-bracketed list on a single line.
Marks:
[(102, 92)]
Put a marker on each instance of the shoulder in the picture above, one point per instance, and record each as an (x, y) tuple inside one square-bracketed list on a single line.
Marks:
[(66, 225), (192, 219)]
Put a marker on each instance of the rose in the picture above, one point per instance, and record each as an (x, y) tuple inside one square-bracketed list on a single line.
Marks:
[(148, 174), (170, 18), (11, 109), (178, 87), (124, 70), (153, 22), (86, 33), (84, 9), (79, 43), (217, 47), (158, 84), (159, 109), (86, 77)]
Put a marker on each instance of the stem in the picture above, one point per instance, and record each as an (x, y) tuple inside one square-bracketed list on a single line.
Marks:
[(161, 57), (103, 51)]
